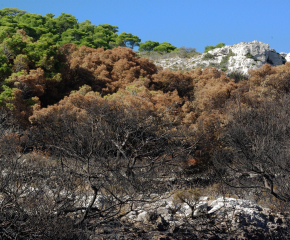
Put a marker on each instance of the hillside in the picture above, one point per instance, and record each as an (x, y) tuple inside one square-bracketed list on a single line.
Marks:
[(240, 57), (98, 142)]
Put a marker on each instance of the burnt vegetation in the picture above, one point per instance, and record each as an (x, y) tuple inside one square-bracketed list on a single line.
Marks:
[(88, 134)]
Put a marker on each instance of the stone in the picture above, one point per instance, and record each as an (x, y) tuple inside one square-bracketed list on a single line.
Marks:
[(243, 218), (279, 220), (161, 224), (184, 211), (161, 237), (142, 217), (201, 208), (239, 57), (163, 211), (174, 229), (283, 54), (287, 57)]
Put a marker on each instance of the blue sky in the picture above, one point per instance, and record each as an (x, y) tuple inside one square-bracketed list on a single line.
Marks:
[(191, 23)]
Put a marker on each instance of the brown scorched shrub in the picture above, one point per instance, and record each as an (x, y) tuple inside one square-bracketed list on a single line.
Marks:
[(105, 71)]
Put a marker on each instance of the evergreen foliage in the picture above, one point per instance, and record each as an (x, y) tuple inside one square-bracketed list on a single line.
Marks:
[(164, 47), (148, 46), (208, 56), (208, 48)]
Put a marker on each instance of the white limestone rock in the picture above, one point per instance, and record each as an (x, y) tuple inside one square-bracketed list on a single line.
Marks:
[(184, 211), (283, 54), (142, 217), (241, 57), (239, 212), (222, 205), (201, 208), (287, 57)]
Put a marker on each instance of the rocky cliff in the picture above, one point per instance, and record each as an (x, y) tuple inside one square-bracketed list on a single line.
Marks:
[(238, 57)]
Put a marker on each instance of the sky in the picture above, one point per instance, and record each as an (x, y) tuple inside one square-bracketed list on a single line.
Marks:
[(188, 23)]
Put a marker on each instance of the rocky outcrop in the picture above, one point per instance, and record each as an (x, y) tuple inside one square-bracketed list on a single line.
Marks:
[(238, 57), (224, 216)]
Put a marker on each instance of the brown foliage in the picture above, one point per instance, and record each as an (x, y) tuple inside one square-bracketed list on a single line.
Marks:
[(268, 82), (118, 145), (206, 89), (104, 70), (31, 85), (167, 80), (133, 97), (212, 89)]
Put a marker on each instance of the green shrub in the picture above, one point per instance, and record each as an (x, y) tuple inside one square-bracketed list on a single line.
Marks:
[(208, 56), (237, 76), (208, 48), (249, 55), (214, 65), (225, 60), (186, 52), (164, 47), (6, 95)]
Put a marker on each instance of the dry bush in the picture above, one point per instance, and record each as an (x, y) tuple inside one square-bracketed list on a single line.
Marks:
[(32, 192), (104, 70), (266, 82), (167, 80), (31, 85), (121, 149), (190, 197), (255, 147), (212, 89)]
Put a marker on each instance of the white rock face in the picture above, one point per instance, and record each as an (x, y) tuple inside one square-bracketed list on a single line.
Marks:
[(287, 57), (238, 57)]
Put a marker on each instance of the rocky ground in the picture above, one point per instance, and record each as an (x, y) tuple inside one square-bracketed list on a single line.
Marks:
[(231, 58), (222, 218)]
